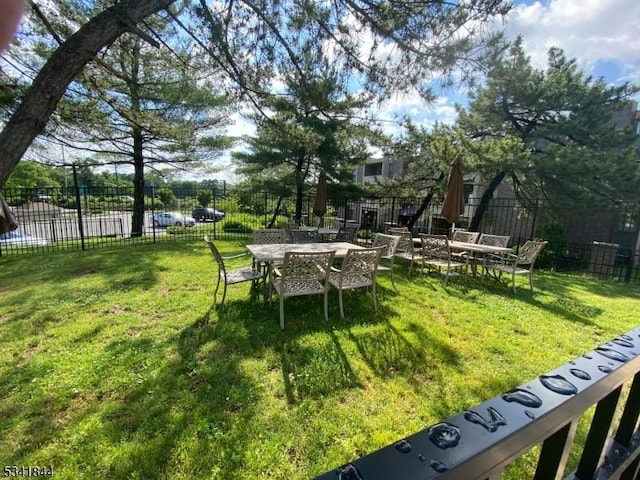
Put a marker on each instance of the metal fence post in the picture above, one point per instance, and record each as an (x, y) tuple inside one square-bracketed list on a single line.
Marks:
[(153, 211), (81, 229), (214, 214)]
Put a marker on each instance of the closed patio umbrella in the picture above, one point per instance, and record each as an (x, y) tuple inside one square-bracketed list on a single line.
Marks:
[(453, 205), (7, 221), (320, 206)]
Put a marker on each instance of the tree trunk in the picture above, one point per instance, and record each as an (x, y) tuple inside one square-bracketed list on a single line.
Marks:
[(299, 189), (423, 205), (65, 64), (137, 135), (484, 201), (137, 219), (299, 193), (275, 213)]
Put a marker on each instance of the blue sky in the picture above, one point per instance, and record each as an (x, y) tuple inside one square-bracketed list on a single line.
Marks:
[(602, 35)]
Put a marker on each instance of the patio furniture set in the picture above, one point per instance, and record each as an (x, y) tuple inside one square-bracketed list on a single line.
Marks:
[(295, 262)]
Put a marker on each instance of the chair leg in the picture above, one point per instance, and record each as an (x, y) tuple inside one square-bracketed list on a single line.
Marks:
[(340, 302), (373, 293), (224, 293), (217, 286), (513, 279), (326, 304), (393, 283), (281, 312), (531, 280)]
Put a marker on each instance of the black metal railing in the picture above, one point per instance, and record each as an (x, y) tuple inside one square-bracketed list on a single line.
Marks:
[(481, 442)]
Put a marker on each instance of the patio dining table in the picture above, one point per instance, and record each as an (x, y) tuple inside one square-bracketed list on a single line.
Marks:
[(326, 234), (270, 253), (477, 250), (321, 230)]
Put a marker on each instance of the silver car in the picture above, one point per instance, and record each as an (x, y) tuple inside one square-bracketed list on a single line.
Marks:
[(172, 219)]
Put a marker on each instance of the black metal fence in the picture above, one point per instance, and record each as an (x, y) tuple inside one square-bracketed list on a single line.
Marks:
[(603, 243), (483, 441)]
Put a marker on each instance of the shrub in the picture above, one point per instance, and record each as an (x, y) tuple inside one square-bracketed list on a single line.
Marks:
[(236, 226), (181, 230), (554, 234)]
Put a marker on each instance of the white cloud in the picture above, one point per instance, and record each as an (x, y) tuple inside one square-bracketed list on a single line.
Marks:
[(390, 112), (594, 32), (588, 30), (241, 126)]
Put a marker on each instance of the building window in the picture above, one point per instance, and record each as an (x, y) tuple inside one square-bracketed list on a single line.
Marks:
[(468, 190), (373, 169)]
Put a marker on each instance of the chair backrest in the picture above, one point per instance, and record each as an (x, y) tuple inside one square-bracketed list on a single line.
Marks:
[(389, 242), (304, 236), (343, 235), (347, 233), (529, 252), (465, 236), (359, 262), (216, 255), (301, 266), (435, 246), (406, 240), (269, 235), (494, 240)]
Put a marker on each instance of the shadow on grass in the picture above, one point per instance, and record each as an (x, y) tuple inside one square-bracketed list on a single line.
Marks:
[(561, 289), (314, 356), (72, 278)]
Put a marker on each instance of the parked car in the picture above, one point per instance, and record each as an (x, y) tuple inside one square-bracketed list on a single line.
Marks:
[(20, 238), (203, 214), (169, 219)]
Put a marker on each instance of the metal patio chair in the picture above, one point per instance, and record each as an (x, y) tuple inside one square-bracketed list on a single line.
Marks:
[(520, 264), (298, 235), (347, 233), (390, 245), (494, 241), (435, 253), (303, 273), (406, 249), (358, 270), (269, 235), (230, 277), (261, 236), (460, 235)]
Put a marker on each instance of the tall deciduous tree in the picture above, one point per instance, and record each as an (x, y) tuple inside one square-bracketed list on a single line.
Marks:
[(551, 132), (32, 175)]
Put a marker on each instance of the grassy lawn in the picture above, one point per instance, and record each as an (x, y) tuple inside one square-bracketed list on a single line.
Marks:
[(116, 364)]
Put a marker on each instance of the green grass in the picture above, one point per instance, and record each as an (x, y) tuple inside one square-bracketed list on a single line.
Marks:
[(116, 363)]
